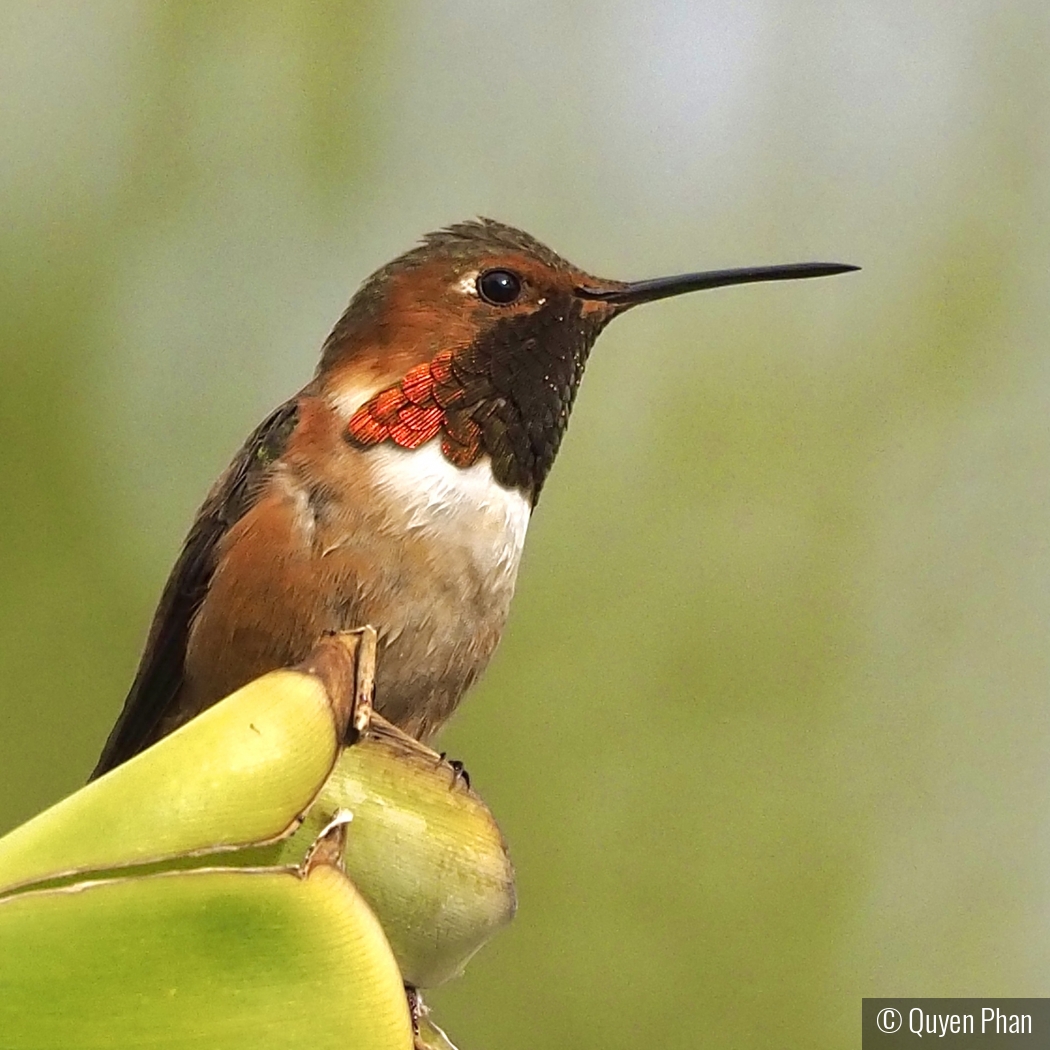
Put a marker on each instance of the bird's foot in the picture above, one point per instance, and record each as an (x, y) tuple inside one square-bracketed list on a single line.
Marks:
[(459, 771)]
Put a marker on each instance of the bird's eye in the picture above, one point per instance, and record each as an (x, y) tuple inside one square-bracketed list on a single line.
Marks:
[(499, 287)]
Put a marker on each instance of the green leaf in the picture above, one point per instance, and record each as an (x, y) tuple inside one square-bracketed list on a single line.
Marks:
[(240, 773), (423, 849), (212, 958), (117, 927)]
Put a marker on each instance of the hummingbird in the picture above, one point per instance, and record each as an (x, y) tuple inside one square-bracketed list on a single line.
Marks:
[(395, 489)]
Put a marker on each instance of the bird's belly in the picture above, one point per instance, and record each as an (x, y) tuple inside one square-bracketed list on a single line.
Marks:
[(436, 635), (437, 580)]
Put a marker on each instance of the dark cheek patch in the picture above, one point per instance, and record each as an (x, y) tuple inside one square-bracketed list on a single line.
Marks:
[(508, 395)]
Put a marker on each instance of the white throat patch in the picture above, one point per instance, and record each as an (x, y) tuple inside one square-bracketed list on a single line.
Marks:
[(466, 506)]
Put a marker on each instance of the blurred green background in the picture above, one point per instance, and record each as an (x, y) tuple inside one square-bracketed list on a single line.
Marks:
[(769, 728)]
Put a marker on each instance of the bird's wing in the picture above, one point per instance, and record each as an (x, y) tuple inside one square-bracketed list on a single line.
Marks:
[(161, 670)]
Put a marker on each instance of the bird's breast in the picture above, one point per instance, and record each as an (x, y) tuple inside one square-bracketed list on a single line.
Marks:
[(460, 509), (394, 498), (428, 553), (425, 551)]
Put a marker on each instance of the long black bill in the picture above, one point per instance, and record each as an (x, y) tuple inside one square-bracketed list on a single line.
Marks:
[(663, 287)]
